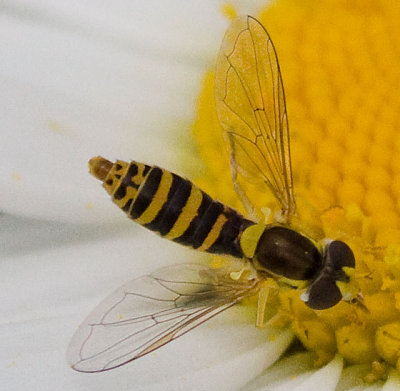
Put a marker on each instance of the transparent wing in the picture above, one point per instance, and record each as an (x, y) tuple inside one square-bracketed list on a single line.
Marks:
[(151, 311), (251, 108)]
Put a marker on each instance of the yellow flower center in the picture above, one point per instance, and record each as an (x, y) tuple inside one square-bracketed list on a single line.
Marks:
[(338, 62)]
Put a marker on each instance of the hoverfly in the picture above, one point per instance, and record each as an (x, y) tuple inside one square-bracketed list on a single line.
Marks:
[(153, 310)]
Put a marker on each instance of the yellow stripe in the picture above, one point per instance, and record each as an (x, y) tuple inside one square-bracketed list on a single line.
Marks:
[(249, 239), (189, 212), (159, 199), (214, 233)]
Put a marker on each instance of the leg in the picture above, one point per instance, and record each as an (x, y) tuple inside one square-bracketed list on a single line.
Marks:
[(267, 290)]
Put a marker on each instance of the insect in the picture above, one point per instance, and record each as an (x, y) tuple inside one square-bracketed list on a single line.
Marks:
[(153, 310)]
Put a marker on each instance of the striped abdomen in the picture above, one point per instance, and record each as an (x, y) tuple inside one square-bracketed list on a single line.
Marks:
[(171, 206)]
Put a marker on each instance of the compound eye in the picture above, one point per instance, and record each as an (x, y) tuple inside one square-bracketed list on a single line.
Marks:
[(323, 293), (340, 255)]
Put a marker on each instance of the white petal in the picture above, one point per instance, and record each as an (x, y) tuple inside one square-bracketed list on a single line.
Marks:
[(249, 7), (34, 354), (352, 378), (46, 282), (20, 235), (229, 358), (83, 79), (286, 373), (325, 378), (47, 293), (393, 382), (300, 375)]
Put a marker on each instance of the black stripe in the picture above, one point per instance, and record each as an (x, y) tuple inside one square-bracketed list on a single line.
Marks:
[(132, 171), (157, 223), (146, 194), (120, 193), (206, 223), (146, 170), (228, 239), (175, 206), (187, 237)]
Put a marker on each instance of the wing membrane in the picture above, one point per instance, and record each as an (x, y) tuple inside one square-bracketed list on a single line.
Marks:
[(151, 311), (251, 108)]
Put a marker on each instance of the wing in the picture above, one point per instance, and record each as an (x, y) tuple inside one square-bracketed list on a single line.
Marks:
[(251, 108), (151, 311)]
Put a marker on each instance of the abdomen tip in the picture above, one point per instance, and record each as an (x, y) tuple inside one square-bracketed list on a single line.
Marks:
[(99, 167)]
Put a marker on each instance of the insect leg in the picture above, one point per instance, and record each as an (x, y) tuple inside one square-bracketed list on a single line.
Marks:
[(267, 290)]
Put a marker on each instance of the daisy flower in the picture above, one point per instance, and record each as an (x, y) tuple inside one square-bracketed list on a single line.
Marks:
[(86, 79), (342, 106)]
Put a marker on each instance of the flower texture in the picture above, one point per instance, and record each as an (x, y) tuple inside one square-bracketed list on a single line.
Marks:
[(336, 61)]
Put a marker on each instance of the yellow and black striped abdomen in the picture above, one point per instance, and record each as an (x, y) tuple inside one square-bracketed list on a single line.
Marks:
[(172, 206)]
